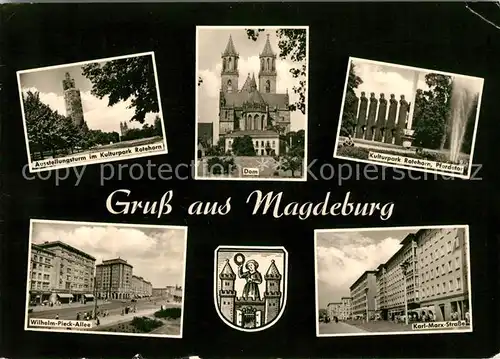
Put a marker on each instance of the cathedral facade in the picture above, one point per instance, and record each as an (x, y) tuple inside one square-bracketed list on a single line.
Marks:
[(252, 110), (73, 102), (249, 312)]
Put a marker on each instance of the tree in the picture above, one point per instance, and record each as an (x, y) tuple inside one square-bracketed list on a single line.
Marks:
[(293, 45), (349, 114), (158, 127), (293, 159), (323, 313), (432, 109), (243, 146), (124, 79)]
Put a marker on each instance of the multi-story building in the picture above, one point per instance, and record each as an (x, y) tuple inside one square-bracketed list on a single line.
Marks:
[(67, 274), (41, 274), (363, 292), (399, 272), (114, 279), (334, 310), (140, 287), (252, 110), (345, 308), (443, 267), (148, 289)]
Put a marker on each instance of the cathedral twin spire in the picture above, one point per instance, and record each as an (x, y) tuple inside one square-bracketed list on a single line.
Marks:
[(267, 72)]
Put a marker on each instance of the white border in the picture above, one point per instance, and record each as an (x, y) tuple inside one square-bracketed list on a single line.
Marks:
[(32, 221), (306, 129), (429, 331), (284, 277), (444, 173), (89, 162)]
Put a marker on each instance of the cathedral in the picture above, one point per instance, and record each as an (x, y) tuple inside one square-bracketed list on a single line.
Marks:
[(73, 102), (246, 312), (252, 110)]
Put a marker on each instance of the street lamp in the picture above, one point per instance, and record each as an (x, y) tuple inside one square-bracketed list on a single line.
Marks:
[(366, 296), (404, 269)]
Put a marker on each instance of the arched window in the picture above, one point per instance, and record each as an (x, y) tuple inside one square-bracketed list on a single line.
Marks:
[(262, 64), (256, 122), (229, 67), (229, 86), (268, 86), (224, 64), (263, 122), (248, 124), (268, 67), (274, 64)]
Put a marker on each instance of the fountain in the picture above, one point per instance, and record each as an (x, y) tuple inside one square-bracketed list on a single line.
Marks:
[(462, 102)]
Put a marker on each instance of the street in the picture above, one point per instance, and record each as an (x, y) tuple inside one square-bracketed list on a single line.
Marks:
[(114, 308), (339, 328)]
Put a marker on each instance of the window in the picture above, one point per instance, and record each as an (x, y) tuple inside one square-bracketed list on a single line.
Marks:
[(437, 272), (443, 271), (449, 247), (450, 285), (459, 284), (442, 251), (449, 266), (457, 263), (432, 290), (438, 290), (432, 256)]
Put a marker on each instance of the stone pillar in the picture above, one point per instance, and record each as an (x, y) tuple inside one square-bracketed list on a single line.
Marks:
[(360, 127), (382, 112), (372, 112), (403, 114), (391, 119)]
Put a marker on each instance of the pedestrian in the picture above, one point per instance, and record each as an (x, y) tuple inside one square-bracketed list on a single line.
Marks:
[(97, 321), (78, 316), (57, 316), (467, 317)]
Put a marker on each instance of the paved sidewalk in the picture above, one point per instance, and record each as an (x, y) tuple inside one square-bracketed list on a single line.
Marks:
[(381, 326)]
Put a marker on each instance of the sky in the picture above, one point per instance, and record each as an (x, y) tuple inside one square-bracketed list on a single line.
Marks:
[(212, 43), (393, 79), (97, 114), (342, 257), (264, 260), (156, 254)]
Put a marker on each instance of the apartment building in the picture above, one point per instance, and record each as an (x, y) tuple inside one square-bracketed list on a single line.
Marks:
[(363, 292)]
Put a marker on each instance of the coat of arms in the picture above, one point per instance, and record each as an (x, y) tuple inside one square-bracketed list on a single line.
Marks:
[(250, 286)]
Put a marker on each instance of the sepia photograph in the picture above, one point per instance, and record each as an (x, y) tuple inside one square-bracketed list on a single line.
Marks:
[(92, 112), (250, 286), (408, 117), (400, 280), (105, 278), (251, 103)]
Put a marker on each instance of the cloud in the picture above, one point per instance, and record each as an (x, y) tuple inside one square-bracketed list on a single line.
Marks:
[(342, 258), (387, 80), (392, 79), (97, 113), (157, 255)]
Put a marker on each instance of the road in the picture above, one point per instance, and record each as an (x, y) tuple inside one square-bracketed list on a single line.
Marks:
[(113, 308), (339, 328)]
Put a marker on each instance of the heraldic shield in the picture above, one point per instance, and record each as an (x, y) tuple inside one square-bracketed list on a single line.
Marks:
[(250, 286)]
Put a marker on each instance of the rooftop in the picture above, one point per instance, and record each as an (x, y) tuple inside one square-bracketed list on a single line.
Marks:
[(55, 244)]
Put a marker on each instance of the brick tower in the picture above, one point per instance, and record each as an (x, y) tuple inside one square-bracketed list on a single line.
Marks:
[(273, 293), (227, 294), (73, 101)]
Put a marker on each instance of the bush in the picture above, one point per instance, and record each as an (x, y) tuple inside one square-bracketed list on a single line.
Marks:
[(145, 324), (220, 165), (169, 313), (353, 152)]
